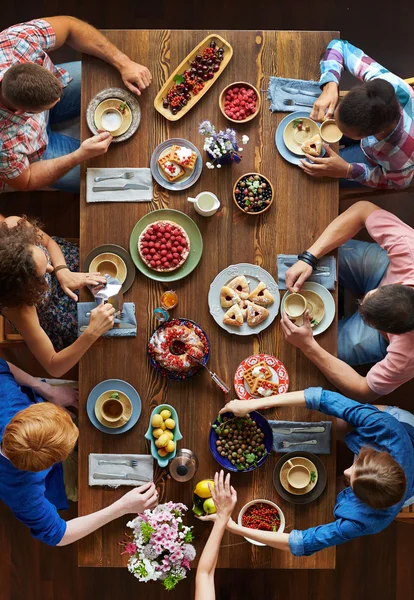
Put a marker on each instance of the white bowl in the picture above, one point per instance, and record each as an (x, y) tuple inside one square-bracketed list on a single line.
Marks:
[(257, 501)]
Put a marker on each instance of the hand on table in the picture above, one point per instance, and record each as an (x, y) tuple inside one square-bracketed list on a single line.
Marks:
[(325, 105), (139, 499), (224, 497), (297, 275), (299, 336), (70, 281), (101, 319), (331, 166), (135, 77), (95, 145)]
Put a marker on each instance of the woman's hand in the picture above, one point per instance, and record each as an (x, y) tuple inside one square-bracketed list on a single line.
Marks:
[(70, 281), (325, 105), (332, 165), (224, 497), (297, 275), (101, 319), (239, 408)]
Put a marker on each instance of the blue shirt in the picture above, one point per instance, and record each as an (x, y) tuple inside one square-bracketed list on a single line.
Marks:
[(373, 428), (33, 497)]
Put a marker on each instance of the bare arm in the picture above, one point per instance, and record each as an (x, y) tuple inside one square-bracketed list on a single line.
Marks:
[(84, 38), (240, 408), (270, 538), (135, 501)]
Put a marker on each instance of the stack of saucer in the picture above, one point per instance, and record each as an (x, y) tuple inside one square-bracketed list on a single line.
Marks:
[(299, 477)]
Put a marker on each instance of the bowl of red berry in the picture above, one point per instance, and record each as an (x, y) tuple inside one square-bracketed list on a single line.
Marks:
[(240, 102), (253, 194), (261, 515)]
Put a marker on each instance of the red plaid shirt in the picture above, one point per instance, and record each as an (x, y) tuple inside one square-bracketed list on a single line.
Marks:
[(23, 138)]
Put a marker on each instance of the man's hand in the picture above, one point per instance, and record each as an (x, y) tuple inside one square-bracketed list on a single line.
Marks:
[(239, 408), (297, 275), (61, 396), (95, 145), (331, 166), (135, 77), (70, 281), (325, 105), (224, 497), (139, 499), (101, 319), (299, 336)]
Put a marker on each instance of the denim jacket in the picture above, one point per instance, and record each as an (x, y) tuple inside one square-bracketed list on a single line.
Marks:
[(373, 428)]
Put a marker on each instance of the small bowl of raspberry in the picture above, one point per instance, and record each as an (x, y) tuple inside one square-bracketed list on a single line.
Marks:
[(240, 102)]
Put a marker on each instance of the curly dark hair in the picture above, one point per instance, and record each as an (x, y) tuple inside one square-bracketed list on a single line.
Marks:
[(20, 284)]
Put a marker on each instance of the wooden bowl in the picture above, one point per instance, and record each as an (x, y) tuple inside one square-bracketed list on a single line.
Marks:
[(253, 213), (240, 84)]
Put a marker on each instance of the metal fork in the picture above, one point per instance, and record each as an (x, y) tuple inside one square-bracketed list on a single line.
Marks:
[(126, 175), (290, 102), (129, 463), (310, 442)]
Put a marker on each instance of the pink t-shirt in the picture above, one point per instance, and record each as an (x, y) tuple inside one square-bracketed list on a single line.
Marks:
[(397, 239)]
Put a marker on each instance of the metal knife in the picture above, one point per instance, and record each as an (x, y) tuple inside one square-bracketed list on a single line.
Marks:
[(120, 476), (127, 186), (289, 90), (287, 431), (115, 326)]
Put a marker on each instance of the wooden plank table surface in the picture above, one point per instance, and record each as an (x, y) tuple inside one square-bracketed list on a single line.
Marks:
[(303, 207)]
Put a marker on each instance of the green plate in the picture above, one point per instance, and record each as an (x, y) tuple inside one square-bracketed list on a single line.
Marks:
[(193, 232)]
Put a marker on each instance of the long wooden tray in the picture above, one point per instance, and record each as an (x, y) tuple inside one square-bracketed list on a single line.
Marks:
[(228, 53)]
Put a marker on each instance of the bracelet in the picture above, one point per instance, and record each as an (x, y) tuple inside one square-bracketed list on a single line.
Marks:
[(309, 258), (59, 268), (349, 171)]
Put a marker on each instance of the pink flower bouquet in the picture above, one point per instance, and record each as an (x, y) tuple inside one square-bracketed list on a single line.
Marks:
[(160, 548)]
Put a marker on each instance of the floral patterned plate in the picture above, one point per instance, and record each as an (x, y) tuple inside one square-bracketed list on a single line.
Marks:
[(254, 275), (279, 375)]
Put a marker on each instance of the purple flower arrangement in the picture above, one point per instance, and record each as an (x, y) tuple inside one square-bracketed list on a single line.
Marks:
[(222, 147)]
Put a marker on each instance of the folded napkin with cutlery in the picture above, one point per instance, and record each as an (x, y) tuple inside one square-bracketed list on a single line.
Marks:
[(125, 327), (118, 190), (108, 469), (298, 90), (297, 432), (325, 272)]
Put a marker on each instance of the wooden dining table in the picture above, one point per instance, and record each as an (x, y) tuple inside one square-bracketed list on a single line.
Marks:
[(302, 208)]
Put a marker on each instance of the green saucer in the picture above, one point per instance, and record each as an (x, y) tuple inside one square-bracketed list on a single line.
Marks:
[(193, 232)]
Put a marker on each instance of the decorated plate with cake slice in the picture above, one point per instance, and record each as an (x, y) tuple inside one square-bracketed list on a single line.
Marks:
[(259, 376), (176, 164), (172, 345), (244, 299), (166, 245)]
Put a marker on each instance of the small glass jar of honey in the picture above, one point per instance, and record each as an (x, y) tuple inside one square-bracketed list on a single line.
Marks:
[(169, 300)]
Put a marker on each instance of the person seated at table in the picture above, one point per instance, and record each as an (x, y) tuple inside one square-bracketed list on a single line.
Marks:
[(38, 279), (224, 498), (376, 118), (381, 479), (36, 95), (382, 329), (36, 435)]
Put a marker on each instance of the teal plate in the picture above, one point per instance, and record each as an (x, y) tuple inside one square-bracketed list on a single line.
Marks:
[(193, 232), (163, 460)]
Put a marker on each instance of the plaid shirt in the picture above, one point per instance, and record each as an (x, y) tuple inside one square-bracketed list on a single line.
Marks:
[(393, 157), (23, 138)]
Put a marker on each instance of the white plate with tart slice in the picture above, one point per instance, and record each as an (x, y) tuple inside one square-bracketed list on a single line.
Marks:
[(321, 306), (176, 164), (244, 299)]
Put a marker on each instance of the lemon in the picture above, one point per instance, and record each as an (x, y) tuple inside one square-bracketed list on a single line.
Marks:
[(201, 489)]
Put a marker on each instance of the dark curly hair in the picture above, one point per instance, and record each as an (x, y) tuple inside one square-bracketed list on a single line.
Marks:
[(20, 284)]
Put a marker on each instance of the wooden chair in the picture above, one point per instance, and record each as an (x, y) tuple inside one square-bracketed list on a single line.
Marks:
[(406, 515)]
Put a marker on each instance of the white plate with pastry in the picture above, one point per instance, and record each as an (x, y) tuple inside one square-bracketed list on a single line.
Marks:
[(316, 290), (244, 299), (176, 164)]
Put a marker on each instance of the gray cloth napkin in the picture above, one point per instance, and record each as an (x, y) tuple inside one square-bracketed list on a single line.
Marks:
[(128, 310), (285, 261), (324, 438), (276, 94), (144, 469), (142, 176)]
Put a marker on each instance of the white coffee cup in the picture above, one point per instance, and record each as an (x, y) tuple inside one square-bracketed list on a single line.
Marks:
[(205, 203)]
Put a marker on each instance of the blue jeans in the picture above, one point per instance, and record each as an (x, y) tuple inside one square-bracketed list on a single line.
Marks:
[(60, 144), (361, 266), (404, 416), (352, 153)]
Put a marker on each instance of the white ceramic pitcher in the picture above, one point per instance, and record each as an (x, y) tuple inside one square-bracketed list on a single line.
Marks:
[(205, 203)]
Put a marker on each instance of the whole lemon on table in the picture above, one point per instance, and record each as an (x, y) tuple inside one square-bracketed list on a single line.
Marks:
[(202, 490)]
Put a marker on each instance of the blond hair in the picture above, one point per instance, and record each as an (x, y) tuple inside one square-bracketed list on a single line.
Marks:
[(39, 436), (379, 480)]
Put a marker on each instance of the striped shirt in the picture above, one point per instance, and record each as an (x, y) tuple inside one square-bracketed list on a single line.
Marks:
[(391, 159)]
